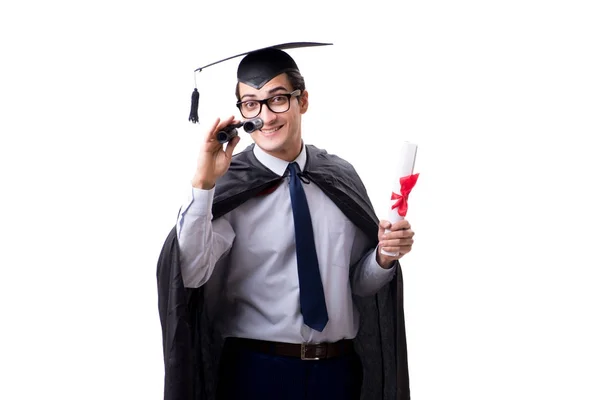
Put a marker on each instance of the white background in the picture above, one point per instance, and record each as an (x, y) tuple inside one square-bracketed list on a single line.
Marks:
[(502, 97)]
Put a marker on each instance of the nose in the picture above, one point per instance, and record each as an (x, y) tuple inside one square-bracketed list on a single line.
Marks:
[(267, 115)]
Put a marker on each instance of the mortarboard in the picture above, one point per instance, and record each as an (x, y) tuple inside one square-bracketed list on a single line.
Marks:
[(258, 67)]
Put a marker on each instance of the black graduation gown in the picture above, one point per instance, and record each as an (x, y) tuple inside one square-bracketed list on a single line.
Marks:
[(191, 348)]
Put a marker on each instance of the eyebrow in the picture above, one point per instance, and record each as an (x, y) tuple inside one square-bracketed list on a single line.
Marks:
[(271, 91)]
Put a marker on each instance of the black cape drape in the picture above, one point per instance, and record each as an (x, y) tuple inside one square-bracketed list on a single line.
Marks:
[(191, 347)]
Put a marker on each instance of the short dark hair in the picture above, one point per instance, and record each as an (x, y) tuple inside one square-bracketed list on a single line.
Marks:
[(296, 80)]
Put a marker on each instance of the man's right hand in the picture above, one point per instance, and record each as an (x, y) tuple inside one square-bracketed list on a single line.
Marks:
[(213, 161)]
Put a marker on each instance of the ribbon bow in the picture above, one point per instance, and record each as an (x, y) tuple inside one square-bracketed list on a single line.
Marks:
[(406, 185)]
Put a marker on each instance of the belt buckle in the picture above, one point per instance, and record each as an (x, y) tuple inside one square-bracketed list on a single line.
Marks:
[(303, 353)]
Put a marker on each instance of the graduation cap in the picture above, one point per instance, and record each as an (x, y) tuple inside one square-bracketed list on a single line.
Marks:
[(258, 67)]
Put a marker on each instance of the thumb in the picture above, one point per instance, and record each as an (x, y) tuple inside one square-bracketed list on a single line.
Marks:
[(383, 225)]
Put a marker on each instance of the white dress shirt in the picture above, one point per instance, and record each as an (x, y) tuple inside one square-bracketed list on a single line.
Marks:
[(247, 261)]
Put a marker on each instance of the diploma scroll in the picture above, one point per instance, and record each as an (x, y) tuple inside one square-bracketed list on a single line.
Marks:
[(404, 181)]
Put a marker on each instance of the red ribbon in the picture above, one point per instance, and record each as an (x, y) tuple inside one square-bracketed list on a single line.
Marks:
[(406, 185)]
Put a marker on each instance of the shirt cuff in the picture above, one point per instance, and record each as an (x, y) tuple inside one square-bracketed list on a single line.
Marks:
[(377, 270), (199, 202)]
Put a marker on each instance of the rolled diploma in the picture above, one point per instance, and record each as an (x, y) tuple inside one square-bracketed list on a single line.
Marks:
[(405, 167)]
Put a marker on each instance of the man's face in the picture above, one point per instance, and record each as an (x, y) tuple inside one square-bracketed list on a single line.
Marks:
[(281, 134)]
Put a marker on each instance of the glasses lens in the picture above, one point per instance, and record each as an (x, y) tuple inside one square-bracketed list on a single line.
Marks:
[(279, 104), (250, 108)]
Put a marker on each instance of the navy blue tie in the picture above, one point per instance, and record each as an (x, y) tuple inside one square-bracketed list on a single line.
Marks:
[(312, 298)]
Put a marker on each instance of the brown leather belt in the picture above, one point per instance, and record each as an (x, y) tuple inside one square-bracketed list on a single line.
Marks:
[(304, 351)]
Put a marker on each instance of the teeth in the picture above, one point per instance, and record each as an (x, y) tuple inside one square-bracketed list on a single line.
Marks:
[(268, 131)]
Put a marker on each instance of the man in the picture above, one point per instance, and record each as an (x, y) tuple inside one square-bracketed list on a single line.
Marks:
[(274, 273)]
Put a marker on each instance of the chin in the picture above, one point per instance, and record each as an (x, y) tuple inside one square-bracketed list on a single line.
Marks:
[(269, 146), (271, 142), (278, 144)]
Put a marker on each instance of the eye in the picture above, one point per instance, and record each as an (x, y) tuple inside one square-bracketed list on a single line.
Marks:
[(250, 105), (278, 99)]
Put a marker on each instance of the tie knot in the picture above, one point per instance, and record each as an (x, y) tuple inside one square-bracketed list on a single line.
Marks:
[(294, 168)]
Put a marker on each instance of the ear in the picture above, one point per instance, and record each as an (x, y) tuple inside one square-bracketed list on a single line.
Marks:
[(303, 99)]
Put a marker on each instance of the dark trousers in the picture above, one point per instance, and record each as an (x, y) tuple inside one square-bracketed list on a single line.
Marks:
[(248, 375)]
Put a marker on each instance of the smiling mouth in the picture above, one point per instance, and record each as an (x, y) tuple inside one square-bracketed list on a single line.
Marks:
[(270, 131)]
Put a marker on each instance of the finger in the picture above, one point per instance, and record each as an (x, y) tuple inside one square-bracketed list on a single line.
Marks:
[(216, 128), (396, 242), (225, 122), (390, 252), (401, 234), (211, 132), (398, 251), (231, 146)]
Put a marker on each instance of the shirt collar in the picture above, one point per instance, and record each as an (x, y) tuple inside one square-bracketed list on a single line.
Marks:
[(277, 165)]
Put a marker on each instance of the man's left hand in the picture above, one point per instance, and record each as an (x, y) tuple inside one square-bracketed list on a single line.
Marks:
[(398, 240)]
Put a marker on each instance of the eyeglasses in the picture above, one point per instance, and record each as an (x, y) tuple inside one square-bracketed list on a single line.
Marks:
[(279, 103)]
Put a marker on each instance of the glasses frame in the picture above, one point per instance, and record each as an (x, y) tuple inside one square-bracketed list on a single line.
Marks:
[(262, 102)]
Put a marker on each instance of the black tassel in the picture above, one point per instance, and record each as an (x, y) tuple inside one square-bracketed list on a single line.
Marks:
[(194, 111)]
